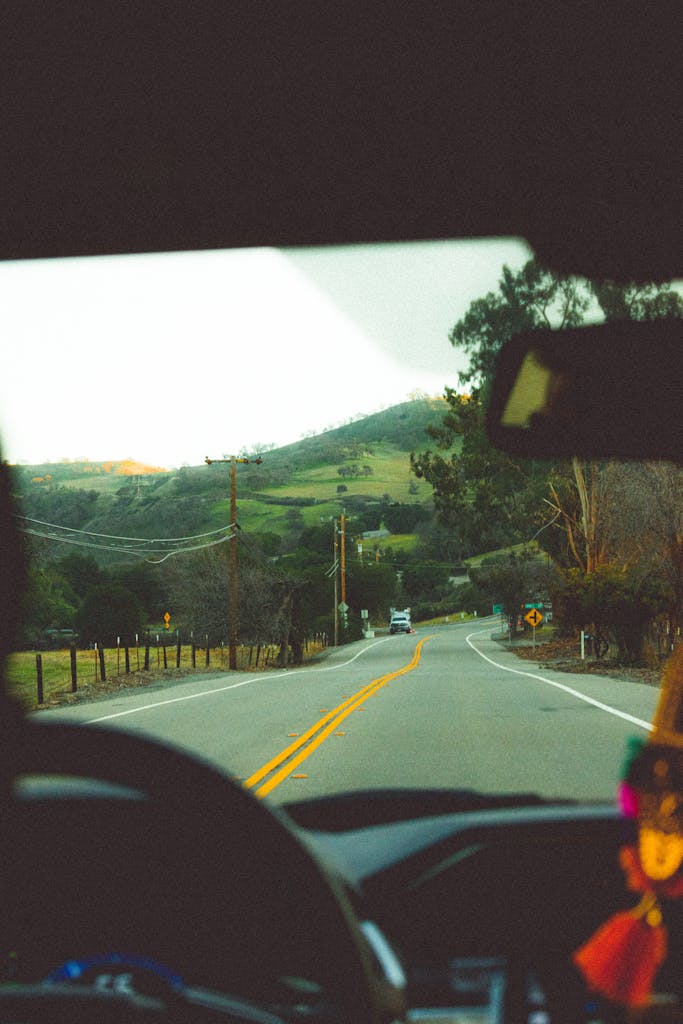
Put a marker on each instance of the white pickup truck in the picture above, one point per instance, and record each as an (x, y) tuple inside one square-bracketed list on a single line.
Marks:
[(400, 622)]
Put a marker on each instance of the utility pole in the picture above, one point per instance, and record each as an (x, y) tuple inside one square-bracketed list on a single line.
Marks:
[(232, 461), (336, 586), (342, 533), (343, 605), (334, 572)]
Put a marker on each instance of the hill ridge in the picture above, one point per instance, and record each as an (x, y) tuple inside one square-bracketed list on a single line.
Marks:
[(361, 465)]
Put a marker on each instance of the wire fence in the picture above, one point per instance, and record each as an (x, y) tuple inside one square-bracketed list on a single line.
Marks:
[(40, 678)]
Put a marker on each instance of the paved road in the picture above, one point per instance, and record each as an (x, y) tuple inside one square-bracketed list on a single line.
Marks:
[(446, 708)]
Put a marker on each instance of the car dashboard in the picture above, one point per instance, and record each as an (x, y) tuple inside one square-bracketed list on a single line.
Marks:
[(485, 907), (476, 902)]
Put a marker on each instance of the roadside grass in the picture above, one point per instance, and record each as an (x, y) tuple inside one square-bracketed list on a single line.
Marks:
[(448, 620), (22, 674), (22, 678)]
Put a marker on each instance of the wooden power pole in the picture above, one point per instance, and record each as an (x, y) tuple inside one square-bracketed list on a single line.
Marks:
[(232, 461)]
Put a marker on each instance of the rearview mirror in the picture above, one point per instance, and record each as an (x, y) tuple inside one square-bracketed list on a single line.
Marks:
[(610, 390)]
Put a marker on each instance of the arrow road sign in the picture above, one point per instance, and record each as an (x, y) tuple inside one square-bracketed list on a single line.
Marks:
[(534, 617)]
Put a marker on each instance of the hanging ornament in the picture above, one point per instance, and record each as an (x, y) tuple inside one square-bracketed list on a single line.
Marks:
[(620, 961)]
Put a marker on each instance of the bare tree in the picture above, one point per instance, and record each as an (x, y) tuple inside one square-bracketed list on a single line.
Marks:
[(200, 588), (650, 520), (582, 513)]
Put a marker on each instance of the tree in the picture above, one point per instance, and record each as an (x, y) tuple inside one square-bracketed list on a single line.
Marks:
[(199, 590), (528, 298), (421, 579), (619, 601), (645, 520), (581, 513), (372, 587), (80, 571), (402, 517), (435, 542), (146, 583), (637, 301), (48, 601), (484, 498), (109, 611), (488, 499), (664, 482), (515, 579), (318, 539), (305, 595), (282, 602), (67, 506)]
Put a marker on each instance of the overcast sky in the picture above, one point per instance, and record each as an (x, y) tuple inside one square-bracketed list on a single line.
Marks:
[(168, 358)]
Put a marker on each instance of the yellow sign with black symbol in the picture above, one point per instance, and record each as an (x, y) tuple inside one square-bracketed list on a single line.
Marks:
[(534, 617)]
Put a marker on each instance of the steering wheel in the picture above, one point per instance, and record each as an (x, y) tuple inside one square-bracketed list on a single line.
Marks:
[(206, 870)]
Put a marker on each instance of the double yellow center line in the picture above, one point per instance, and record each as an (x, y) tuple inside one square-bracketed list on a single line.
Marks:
[(284, 763)]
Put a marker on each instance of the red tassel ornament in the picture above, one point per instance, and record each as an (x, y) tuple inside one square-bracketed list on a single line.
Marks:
[(621, 959)]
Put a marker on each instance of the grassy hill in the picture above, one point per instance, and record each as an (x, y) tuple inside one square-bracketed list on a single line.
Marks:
[(355, 466)]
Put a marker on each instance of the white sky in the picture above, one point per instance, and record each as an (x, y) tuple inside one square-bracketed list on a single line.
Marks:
[(168, 358)]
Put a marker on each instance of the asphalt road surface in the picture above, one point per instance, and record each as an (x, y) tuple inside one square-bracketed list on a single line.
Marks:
[(446, 707)]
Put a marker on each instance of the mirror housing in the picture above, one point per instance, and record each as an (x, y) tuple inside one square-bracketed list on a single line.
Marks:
[(611, 390)]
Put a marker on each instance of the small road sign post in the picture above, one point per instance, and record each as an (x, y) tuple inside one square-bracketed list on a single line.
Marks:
[(534, 618)]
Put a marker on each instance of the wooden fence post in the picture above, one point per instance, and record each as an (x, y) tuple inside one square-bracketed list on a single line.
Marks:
[(39, 672), (177, 653), (74, 670), (208, 651), (126, 654), (147, 655), (103, 671)]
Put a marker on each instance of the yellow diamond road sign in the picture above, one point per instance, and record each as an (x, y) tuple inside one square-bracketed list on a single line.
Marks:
[(534, 617)]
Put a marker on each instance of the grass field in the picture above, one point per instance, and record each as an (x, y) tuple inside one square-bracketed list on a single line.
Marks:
[(513, 549), (22, 677), (390, 475)]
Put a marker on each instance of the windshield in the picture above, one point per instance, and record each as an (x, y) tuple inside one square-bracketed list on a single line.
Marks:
[(263, 521)]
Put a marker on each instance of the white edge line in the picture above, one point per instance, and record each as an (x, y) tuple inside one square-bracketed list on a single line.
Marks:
[(561, 686), (231, 686)]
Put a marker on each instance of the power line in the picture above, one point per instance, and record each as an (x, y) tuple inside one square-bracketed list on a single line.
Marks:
[(136, 540), (166, 547), (196, 547), (121, 549)]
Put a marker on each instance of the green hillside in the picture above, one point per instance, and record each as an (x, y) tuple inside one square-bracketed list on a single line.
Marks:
[(360, 467)]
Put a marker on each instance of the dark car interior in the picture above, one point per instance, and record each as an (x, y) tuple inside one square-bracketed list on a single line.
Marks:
[(144, 128)]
